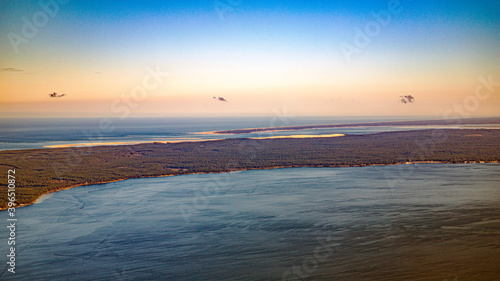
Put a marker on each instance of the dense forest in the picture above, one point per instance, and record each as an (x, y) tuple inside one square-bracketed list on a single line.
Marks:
[(39, 171)]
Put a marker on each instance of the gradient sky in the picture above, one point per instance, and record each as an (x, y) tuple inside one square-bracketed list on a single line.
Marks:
[(262, 56)]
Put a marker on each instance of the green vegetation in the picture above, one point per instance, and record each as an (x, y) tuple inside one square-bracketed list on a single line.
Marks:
[(40, 171)]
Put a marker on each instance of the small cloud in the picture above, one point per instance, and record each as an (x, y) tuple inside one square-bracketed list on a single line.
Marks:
[(13, 69), (220, 99), (406, 99), (55, 95)]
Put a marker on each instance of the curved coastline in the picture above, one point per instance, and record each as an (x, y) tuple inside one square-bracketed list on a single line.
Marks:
[(249, 169), (104, 164)]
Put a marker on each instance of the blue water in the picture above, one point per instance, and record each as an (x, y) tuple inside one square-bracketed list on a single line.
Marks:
[(430, 222), (38, 133)]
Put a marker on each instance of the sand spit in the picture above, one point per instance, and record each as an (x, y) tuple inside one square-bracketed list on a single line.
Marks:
[(83, 144), (302, 137)]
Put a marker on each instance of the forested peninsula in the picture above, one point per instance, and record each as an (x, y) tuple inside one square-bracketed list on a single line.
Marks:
[(41, 171)]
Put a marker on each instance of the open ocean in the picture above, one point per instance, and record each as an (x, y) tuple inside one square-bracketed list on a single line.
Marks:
[(39, 133)]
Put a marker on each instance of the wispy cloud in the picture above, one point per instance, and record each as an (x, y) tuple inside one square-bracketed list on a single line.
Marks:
[(13, 69)]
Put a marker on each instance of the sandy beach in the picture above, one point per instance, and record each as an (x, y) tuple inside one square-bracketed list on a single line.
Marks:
[(185, 140)]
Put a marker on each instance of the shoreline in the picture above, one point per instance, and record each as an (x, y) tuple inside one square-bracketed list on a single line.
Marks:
[(481, 122), (406, 123), (250, 169), (91, 144), (48, 170)]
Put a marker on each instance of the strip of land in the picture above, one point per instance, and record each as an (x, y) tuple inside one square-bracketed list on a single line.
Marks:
[(440, 122), (301, 137), (83, 144), (41, 171)]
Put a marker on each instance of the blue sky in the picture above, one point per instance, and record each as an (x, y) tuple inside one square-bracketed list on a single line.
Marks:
[(288, 52)]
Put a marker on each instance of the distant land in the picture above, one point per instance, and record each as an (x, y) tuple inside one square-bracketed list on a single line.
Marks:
[(41, 171), (443, 122)]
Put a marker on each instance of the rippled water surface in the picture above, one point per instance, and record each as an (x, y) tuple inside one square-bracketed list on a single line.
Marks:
[(407, 222)]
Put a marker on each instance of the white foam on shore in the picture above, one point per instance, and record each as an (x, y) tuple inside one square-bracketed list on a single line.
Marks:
[(43, 198)]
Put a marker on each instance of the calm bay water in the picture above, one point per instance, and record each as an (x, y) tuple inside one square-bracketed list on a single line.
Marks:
[(438, 222)]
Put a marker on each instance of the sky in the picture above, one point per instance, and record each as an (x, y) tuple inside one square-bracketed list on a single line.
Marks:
[(306, 58)]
